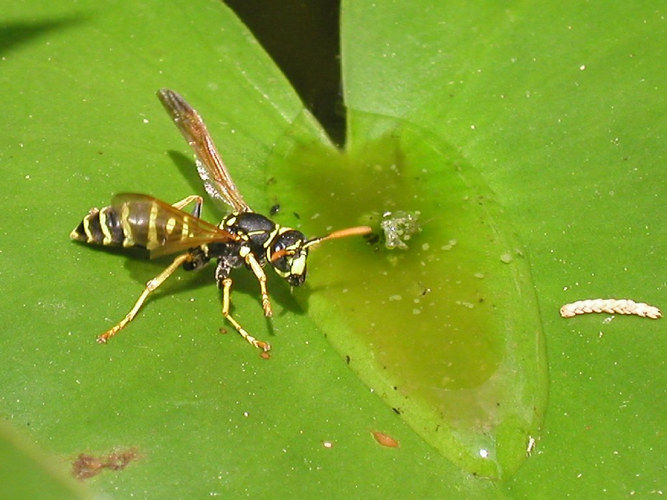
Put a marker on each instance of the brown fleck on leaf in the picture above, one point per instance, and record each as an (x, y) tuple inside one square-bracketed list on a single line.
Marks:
[(86, 466), (385, 440)]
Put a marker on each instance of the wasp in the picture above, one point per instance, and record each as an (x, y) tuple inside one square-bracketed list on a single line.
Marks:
[(243, 238)]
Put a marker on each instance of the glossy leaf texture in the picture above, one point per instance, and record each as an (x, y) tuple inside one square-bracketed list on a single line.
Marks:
[(446, 331), (559, 107)]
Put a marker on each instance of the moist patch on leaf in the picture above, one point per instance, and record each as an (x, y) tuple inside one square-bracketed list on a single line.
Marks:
[(448, 329)]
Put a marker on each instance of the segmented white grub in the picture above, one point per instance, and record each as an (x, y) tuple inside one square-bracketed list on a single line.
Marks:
[(610, 306)]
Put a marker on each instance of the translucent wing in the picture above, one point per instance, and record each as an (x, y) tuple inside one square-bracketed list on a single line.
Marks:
[(217, 181), (162, 229)]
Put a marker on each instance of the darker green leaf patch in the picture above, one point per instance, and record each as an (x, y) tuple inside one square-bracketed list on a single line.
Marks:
[(447, 329)]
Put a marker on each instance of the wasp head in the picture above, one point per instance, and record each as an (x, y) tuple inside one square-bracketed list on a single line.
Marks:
[(288, 251), (288, 254)]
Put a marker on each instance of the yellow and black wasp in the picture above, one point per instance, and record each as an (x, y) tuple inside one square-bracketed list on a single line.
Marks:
[(243, 238)]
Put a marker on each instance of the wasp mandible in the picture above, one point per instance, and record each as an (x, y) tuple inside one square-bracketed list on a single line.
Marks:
[(243, 238)]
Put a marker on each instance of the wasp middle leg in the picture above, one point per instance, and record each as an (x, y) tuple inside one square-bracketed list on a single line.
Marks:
[(226, 293)]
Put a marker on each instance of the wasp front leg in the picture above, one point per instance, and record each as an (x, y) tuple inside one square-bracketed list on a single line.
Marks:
[(259, 273)]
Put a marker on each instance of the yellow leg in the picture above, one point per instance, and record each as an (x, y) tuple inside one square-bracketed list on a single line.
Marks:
[(150, 287), (193, 198), (226, 293), (261, 278)]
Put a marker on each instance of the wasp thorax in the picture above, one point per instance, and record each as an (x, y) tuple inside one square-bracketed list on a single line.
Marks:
[(288, 256)]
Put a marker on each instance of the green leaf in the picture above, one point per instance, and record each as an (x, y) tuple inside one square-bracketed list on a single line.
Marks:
[(560, 108), (25, 473)]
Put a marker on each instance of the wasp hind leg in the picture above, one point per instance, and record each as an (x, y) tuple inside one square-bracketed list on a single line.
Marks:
[(151, 286), (226, 293), (193, 198)]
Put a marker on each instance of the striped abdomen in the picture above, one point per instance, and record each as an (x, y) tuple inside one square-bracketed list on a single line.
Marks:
[(138, 220), (100, 227)]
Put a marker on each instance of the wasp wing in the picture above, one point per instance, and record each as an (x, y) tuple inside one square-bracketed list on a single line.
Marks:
[(217, 181), (161, 228)]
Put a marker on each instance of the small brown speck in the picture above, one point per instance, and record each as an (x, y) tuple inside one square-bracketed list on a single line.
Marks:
[(86, 466), (385, 440)]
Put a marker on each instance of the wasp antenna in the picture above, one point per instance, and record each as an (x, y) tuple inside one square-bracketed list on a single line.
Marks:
[(350, 231), (341, 233), (279, 254)]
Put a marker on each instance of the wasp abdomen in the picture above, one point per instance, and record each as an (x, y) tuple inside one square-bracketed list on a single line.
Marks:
[(100, 227)]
